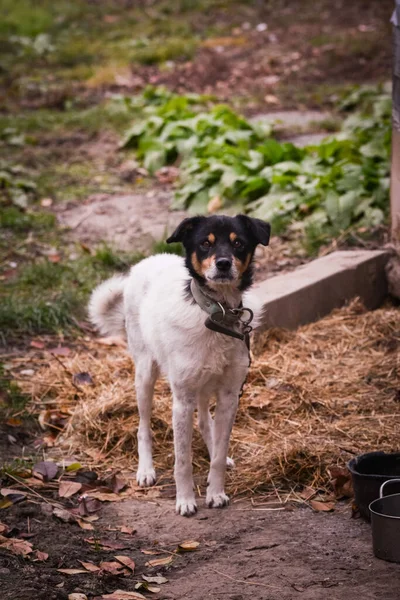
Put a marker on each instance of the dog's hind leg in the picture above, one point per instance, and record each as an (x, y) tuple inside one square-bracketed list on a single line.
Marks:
[(182, 418), (206, 427), (146, 372)]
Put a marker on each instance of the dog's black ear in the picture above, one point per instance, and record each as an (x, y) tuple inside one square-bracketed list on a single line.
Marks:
[(259, 230), (184, 229)]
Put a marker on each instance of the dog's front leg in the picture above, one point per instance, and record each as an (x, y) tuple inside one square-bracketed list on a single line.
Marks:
[(225, 412), (182, 418)]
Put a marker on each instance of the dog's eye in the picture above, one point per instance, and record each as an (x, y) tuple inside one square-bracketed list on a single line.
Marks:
[(206, 244), (237, 244)]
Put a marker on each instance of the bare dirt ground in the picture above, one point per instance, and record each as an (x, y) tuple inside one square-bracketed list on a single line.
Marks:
[(244, 552)]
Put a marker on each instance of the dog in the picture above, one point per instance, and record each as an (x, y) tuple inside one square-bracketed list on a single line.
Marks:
[(189, 319)]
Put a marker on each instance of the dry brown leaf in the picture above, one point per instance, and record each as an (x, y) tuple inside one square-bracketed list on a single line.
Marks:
[(123, 595), (60, 350), (41, 555), (68, 488), (159, 579), (37, 344), (113, 567), (45, 470), (105, 544), (104, 496), (307, 493), (188, 546), (3, 528), (160, 562), (84, 525), (322, 506), (143, 585), (128, 562), (77, 596), (14, 422), (16, 546), (89, 566), (72, 571), (125, 529), (151, 552)]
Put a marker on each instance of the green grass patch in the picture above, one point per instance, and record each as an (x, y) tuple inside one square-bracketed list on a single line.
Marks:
[(46, 297)]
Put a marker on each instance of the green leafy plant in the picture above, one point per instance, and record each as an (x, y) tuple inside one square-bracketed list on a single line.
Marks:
[(324, 189)]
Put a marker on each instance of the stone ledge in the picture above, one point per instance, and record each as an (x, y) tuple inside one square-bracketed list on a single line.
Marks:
[(313, 290)]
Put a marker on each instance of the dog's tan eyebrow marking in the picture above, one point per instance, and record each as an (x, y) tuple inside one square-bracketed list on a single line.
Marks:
[(232, 236), (211, 238)]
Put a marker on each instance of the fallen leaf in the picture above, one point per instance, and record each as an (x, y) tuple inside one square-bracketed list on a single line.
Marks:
[(63, 515), (77, 596), (104, 496), (307, 493), (37, 344), (17, 546), (89, 566), (112, 340), (105, 544), (116, 484), (82, 379), (143, 585), (11, 499), (72, 571), (14, 422), (125, 529), (151, 552), (342, 483), (60, 351), (41, 555), (128, 562), (160, 562), (87, 506), (3, 528), (188, 546), (68, 488), (73, 467), (159, 579), (123, 595), (322, 506), (113, 567), (84, 525), (45, 470)]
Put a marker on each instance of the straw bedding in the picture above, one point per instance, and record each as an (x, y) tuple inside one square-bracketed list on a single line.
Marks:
[(313, 399)]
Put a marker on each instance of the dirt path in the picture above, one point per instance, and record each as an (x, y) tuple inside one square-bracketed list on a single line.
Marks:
[(243, 553)]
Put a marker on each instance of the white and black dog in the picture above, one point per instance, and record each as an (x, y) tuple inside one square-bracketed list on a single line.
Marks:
[(188, 320)]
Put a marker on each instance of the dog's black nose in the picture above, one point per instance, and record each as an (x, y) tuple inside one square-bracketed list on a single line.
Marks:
[(223, 264)]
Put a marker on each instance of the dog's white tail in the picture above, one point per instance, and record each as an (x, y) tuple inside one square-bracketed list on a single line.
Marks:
[(106, 309)]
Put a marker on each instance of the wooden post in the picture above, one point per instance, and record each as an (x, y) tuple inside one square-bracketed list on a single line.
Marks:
[(395, 169)]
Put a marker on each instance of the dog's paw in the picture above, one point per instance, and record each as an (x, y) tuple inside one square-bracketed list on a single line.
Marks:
[(230, 463), (217, 500), (186, 507), (146, 477)]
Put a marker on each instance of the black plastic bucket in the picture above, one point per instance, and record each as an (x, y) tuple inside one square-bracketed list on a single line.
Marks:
[(369, 472)]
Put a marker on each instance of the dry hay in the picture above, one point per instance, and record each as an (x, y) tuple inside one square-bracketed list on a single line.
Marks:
[(313, 399)]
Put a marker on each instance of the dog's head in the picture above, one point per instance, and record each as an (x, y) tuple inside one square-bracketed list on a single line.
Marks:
[(220, 249)]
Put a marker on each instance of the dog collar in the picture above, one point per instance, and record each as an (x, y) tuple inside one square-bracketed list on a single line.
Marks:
[(222, 319)]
